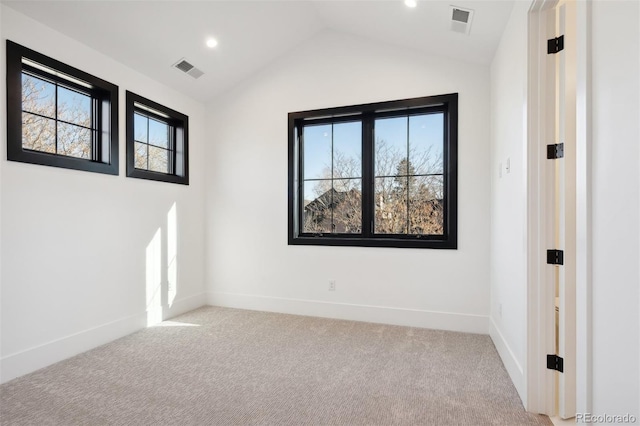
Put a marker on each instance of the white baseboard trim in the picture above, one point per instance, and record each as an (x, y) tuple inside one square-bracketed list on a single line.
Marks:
[(467, 323), (186, 304), (513, 367), (32, 359)]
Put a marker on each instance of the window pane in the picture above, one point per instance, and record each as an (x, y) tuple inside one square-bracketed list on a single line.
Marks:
[(158, 133), (158, 159), (74, 107), (52, 114), (347, 150), (426, 206), (391, 205), (347, 206), (317, 151), (318, 197), (38, 96), (140, 158), (426, 139), (38, 133), (390, 146), (74, 141), (140, 128)]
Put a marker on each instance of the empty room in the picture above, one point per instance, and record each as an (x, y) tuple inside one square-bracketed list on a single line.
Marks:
[(323, 212)]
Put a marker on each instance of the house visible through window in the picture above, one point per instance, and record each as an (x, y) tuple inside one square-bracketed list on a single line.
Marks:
[(332, 179), (375, 175), (58, 115), (157, 141)]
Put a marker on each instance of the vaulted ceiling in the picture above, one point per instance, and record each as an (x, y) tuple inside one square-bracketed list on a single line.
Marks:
[(150, 36)]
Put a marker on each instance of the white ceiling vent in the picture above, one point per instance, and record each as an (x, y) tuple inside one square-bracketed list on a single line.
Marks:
[(461, 19), (187, 68)]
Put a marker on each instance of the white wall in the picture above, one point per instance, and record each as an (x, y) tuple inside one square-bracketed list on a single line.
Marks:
[(249, 263), (74, 243), (508, 196), (616, 207)]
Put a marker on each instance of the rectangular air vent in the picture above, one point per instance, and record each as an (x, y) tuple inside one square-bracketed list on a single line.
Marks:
[(461, 19), (184, 66), (460, 15)]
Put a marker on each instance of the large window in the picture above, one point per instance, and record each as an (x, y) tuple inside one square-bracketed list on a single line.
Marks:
[(157, 141), (58, 115), (381, 174)]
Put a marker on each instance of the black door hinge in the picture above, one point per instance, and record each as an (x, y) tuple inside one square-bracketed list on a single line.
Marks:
[(555, 45), (555, 151), (554, 362), (555, 257)]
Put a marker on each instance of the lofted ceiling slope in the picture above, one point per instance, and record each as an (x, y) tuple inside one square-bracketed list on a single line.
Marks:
[(150, 36)]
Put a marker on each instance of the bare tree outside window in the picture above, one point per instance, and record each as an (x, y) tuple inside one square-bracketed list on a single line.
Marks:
[(381, 174), (409, 175), (58, 115), (157, 140), (333, 178), (408, 181), (55, 119), (152, 147)]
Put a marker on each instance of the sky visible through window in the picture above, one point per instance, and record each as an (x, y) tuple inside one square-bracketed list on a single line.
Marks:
[(53, 112), (335, 150), (152, 148), (323, 140), (69, 101)]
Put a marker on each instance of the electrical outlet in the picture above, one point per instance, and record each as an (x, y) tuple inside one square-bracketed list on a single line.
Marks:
[(332, 285), (508, 167)]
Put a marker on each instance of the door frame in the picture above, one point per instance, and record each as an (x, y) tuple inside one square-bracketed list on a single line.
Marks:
[(540, 385)]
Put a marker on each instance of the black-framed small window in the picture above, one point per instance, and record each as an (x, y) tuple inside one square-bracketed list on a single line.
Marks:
[(157, 141), (58, 115), (382, 174)]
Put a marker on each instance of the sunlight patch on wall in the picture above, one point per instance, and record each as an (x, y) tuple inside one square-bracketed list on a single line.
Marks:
[(154, 279), (172, 255)]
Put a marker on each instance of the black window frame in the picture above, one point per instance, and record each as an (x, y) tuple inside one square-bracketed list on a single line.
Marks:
[(178, 140), (367, 113), (104, 97)]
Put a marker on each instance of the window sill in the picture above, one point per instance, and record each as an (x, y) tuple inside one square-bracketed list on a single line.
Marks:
[(379, 241)]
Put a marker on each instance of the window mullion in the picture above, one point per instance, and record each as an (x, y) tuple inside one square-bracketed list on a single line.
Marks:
[(148, 142), (446, 171), (96, 155), (300, 189), (332, 202), (55, 108), (407, 222), (172, 150), (368, 198)]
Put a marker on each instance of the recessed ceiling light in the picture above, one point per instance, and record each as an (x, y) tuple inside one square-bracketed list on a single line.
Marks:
[(411, 3), (212, 42)]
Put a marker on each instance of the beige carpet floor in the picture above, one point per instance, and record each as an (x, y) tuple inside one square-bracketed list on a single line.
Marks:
[(220, 366)]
